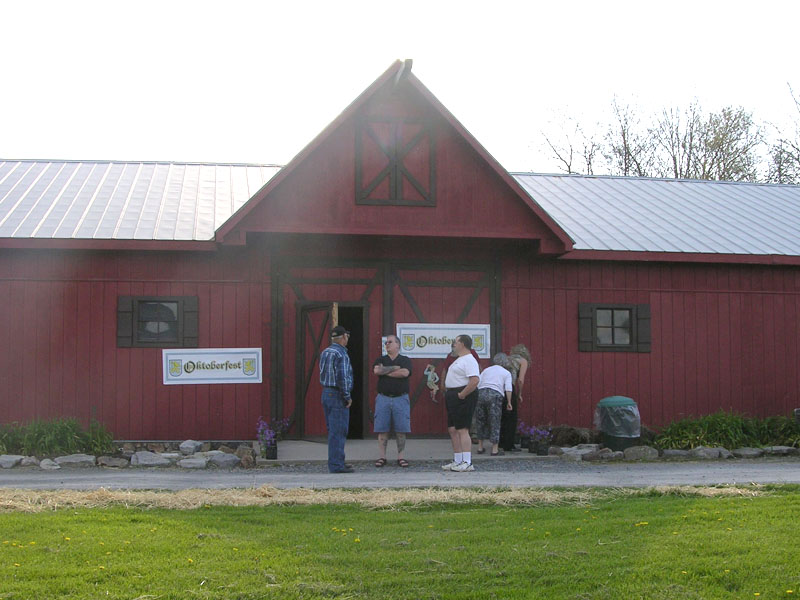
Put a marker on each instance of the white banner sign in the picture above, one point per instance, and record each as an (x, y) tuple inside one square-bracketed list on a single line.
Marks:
[(433, 340), (212, 365)]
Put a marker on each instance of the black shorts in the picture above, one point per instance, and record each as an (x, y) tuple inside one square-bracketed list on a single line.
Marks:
[(459, 412)]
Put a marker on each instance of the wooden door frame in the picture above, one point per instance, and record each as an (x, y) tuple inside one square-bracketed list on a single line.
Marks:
[(384, 275)]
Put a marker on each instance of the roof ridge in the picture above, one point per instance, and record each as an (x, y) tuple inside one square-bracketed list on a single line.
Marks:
[(641, 178), (142, 162)]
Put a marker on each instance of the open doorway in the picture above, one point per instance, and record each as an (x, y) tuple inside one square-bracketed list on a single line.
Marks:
[(353, 318)]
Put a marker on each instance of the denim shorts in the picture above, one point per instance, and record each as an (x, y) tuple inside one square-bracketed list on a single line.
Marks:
[(392, 411)]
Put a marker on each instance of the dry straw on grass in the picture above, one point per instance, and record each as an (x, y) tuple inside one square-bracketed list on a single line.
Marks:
[(386, 499)]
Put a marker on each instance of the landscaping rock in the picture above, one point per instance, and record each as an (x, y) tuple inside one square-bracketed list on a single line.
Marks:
[(117, 462), (748, 452), (205, 447), (673, 454), (172, 457), (226, 449), (224, 460), (145, 458), (565, 436), (704, 453), (780, 450), (576, 453), (128, 449), (602, 454), (555, 451), (156, 447), (724, 452), (640, 453), (76, 460), (49, 465), (248, 461), (9, 461), (243, 451), (29, 461), (193, 462), (190, 447)]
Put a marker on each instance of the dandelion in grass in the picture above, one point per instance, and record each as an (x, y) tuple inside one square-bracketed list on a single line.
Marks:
[(17, 565), (357, 540), (190, 560)]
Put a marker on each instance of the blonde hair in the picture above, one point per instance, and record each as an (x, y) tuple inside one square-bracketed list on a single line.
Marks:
[(521, 350)]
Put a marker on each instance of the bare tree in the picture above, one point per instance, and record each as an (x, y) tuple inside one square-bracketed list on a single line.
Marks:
[(784, 153), (574, 150), (676, 135), (629, 147)]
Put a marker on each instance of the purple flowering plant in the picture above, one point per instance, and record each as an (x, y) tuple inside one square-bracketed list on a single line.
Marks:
[(539, 434), (269, 432)]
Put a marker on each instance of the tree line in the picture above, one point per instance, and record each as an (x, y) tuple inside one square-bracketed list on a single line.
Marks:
[(682, 143)]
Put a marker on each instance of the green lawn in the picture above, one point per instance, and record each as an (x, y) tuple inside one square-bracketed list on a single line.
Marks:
[(619, 546)]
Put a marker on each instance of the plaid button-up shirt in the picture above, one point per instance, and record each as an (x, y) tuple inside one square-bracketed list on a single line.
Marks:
[(335, 369)]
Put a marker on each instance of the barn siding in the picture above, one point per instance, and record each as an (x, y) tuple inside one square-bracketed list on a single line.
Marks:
[(724, 338)]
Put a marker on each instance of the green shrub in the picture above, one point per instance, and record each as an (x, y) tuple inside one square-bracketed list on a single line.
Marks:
[(50, 438), (729, 430)]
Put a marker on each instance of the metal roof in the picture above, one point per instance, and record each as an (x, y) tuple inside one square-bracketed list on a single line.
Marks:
[(670, 215), (114, 200), (122, 200)]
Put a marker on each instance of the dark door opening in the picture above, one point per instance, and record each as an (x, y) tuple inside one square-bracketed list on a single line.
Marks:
[(352, 319)]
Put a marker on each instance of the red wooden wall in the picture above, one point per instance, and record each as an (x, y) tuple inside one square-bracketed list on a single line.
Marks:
[(59, 357), (725, 337)]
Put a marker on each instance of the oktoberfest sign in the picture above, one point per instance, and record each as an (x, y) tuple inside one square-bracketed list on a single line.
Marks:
[(433, 340), (212, 365)]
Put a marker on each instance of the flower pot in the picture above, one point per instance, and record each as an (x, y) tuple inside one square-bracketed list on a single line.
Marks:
[(524, 442), (539, 448), (271, 452)]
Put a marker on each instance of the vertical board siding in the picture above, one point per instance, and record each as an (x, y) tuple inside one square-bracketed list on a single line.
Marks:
[(724, 338), (60, 313)]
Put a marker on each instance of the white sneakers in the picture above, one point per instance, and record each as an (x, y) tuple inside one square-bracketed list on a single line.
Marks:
[(449, 466), (462, 466)]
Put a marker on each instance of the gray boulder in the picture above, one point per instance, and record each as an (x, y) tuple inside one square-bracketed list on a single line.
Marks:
[(193, 462), (672, 454), (748, 452), (113, 461), (9, 461), (190, 447), (29, 461), (49, 465), (640, 453), (145, 458), (224, 460), (704, 453), (602, 454), (76, 460), (724, 452), (780, 450)]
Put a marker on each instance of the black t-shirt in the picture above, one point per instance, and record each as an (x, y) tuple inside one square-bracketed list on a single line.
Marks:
[(393, 386)]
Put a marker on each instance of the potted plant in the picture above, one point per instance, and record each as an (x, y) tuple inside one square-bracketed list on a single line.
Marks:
[(268, 434), (539, 440), (523, 432)]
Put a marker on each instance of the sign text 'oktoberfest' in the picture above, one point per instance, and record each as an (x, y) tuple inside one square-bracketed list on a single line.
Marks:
[(433, 340), (212, 365)]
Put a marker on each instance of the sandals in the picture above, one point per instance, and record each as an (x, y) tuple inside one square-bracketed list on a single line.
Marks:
[(380, 462), (402, 462)]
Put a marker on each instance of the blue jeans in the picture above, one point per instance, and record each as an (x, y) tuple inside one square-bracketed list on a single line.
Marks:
[(337, 420)]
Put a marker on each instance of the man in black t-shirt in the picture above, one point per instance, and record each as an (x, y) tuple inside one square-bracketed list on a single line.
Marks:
[(392, 405)]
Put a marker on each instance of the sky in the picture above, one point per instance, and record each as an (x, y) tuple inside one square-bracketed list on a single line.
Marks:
[(254, 82)]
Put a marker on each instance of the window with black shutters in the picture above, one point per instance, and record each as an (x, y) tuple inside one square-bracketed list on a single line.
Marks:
[(157, 321), (614, 327)]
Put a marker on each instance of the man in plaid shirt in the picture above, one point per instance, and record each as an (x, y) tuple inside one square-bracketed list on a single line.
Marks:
[(336, 377)]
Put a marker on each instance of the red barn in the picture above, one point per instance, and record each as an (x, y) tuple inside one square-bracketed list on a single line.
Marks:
[(683, 295)]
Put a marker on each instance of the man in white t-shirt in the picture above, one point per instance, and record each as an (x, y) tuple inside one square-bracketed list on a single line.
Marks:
[(494, 384), (460, 396)]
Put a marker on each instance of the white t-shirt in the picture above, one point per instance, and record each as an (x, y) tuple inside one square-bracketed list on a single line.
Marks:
[(461, 370), (496, 378)]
